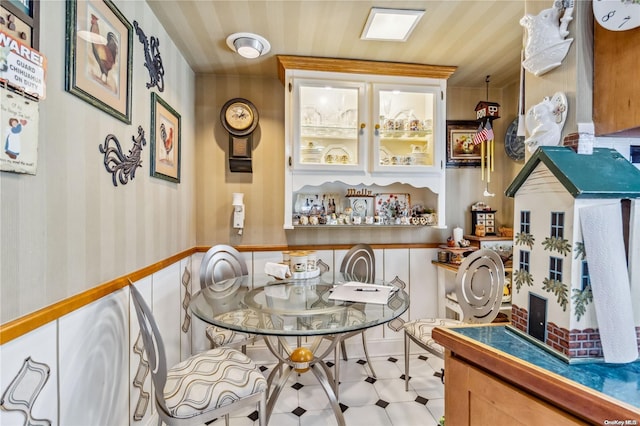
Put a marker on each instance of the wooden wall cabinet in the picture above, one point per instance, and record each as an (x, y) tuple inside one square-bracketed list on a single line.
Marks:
[(616, 86)]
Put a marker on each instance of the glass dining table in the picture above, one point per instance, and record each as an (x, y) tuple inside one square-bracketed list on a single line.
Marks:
[(281, 310)]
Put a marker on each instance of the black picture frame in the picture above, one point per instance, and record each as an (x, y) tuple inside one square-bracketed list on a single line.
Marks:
[(461, 152)]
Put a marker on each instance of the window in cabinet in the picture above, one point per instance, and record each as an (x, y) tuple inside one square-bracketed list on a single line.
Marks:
[(406, 121), (327, 125)]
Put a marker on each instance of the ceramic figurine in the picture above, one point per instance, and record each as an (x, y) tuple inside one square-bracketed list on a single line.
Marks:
[(545, 121), (546, 45)]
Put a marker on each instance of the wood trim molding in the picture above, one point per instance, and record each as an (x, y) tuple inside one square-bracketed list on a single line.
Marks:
[(23, 325), (356, 66), (325, 247)]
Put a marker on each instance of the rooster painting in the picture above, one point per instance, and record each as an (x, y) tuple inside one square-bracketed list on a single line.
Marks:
[(105, 54), (167, 140)]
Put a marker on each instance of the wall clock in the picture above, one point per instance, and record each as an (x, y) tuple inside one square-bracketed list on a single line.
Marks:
[(617, 15), (239, 117), (514, 144)]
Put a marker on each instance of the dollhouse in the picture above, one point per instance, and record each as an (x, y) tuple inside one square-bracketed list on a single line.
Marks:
[(552, 300)]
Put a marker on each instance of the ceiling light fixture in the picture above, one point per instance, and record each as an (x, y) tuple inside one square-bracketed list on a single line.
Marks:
[(248, 45), (390, 24)]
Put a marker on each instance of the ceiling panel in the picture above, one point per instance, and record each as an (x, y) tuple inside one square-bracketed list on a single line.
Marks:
[(479, 37)]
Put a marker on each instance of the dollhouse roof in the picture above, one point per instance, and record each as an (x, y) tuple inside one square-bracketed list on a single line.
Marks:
[(604, 174)]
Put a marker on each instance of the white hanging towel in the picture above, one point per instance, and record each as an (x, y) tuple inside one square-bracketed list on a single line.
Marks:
[(604, 245)]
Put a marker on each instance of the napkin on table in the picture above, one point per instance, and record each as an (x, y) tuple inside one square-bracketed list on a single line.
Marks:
[(277, 270)]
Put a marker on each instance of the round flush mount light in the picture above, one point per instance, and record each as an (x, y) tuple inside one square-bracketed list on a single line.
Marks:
[(248, 45)]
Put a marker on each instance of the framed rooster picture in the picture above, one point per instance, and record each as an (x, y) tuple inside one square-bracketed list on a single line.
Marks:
[(99, 56), (165, 140)]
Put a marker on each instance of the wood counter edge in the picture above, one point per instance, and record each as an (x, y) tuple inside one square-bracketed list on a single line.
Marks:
[(577, 399)]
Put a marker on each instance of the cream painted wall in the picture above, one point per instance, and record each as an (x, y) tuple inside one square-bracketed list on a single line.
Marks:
[(263, 188), (68, 229), (215, 184)]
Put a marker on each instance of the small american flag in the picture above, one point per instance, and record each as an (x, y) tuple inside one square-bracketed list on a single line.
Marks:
[(480, 136), (489, 136)]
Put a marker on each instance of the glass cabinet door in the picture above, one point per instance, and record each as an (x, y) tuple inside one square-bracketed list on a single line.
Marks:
[(329, 129), (404, 135)]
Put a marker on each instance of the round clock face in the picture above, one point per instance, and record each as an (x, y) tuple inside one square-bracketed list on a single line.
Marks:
[(617, 15), (239, 117), (514, 144)]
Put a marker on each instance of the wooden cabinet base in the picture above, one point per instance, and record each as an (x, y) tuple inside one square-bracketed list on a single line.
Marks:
[(475, 398)]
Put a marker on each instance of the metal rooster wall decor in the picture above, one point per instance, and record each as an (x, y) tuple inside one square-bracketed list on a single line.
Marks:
[(119, 165), (153, 61)]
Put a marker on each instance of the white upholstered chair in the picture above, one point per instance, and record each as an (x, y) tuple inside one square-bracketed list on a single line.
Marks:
[(222, 262), (479, 287), (203, 387)]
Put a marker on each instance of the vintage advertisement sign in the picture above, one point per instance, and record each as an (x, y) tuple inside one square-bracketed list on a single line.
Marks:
[(21, 66), (19, 131)]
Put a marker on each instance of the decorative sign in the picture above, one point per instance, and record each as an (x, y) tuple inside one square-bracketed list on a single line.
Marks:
[(19, 126), (21, 66)]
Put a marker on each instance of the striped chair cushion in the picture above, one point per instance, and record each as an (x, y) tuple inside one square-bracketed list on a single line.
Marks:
[(222, 336), (211, 380), (421, 330)]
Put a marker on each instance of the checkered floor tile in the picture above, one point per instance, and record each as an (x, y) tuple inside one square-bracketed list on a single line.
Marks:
[(364, 400)]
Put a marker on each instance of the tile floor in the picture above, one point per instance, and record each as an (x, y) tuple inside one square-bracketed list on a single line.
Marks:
[(365, 400)]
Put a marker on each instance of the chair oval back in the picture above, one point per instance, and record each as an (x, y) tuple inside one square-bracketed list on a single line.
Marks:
[(479, 286), (221, 262), (360, 263), (153, 345)]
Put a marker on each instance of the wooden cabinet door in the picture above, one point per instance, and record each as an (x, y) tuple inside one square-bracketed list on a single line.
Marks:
[(616, 87), (475, 398)]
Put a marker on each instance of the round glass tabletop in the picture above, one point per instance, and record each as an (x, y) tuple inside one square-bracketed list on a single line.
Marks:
[(262, 305)]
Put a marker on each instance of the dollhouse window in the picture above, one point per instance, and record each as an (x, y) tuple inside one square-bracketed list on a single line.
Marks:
[(555, 268), (525, 221), (524, 260), (557, 224), (584, 276)]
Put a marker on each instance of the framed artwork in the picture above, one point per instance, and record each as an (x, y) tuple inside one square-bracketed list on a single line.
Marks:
[(461, 152), (99, 56), (165, 140)]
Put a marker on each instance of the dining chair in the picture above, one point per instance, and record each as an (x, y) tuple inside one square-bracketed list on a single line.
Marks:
[(358, 264), (478, 288), (222, 262), (203, 387)]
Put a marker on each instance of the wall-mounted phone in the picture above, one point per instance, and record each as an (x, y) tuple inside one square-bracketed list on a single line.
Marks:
[(238, 211)]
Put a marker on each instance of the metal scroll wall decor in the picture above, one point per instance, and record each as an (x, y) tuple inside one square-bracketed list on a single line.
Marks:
[(24, 389), (119, 165), (152, 59)]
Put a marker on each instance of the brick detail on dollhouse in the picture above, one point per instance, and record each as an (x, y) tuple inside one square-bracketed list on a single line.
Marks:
[(571, 140), (574, 344)]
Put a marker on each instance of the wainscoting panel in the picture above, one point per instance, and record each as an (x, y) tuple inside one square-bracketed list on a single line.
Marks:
[(29, 392), (94, 362), (423, 291), (167, 307)]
